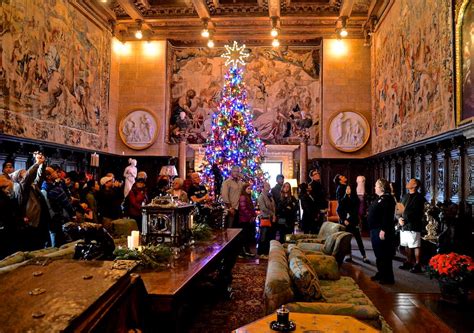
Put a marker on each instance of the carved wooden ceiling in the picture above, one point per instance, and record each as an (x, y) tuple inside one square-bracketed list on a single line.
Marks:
[(244, 20)]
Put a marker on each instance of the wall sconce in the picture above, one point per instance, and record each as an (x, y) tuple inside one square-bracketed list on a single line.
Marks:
[(205, 31), (275, 30), (276, 42), (139, 33), (343, 30)]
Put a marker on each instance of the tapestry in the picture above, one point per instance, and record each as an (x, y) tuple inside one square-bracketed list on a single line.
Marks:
[(413, 81), (283, 91), (54, 78)]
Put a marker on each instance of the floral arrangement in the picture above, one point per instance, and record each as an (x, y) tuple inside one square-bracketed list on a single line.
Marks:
[(452, 266), (201, 232), (152, 256)]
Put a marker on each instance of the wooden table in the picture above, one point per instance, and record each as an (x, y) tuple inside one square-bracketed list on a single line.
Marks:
[(169, 288), (310, 322), (71, 296)]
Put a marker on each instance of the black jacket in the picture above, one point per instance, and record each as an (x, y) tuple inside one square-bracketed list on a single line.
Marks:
[(413, 213), (381, 214)]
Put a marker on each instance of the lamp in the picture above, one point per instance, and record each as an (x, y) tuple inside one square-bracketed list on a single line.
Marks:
[(205, 30), (210, 42), (169, 171), (343, 31), (275, 31), (138, 33), (275, 42)]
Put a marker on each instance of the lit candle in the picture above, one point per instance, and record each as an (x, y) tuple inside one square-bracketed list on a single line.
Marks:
[(129, 242), (135, 239), (191, 221)]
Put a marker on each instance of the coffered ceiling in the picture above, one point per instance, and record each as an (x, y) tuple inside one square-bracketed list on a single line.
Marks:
[(243, 20)]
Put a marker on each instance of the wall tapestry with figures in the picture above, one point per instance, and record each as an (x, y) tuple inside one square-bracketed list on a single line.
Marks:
[(54, 74), (413, 81), (283, 88)]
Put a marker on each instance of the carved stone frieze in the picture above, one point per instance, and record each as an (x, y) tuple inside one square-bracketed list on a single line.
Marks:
[(428, 179)]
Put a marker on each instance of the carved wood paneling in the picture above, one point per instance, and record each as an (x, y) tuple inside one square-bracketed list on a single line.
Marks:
[(428, 177), (407, 168), (469, 175), (454, 183), (440, 170)]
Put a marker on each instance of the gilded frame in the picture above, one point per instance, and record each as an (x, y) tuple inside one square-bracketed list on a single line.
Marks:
[(354, 118), (138, 129), (460, 73)]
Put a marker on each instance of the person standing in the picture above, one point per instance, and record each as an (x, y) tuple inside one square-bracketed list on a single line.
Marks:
[(411, 224), (286, 211), (308, 220), (247, 219), (341, 183), (348, 217), (136, 198), (382, 231), (276, 190), (266, 205), (319, 195), (231, 189)]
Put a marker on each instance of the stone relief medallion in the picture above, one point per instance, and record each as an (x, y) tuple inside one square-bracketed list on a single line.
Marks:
[(348, 131), (138, 129)]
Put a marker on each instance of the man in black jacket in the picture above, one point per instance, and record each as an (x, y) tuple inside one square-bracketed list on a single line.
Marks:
[(411, 224)]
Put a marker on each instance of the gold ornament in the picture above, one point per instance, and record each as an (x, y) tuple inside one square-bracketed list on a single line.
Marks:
[(235, 54)]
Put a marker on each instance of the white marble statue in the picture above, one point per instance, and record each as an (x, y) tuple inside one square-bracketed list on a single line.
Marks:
[(130, 173), (360, 185)]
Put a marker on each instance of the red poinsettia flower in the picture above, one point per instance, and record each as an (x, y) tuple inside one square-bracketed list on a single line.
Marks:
[(452, 266)]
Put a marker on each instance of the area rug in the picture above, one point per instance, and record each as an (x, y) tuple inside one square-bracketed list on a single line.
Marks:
[(246, 305)]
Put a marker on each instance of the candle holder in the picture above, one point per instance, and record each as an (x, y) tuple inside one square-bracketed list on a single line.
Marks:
[(283, 322)]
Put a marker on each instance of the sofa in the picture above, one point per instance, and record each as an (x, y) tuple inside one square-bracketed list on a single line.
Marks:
[(327, 229), (311, 283)]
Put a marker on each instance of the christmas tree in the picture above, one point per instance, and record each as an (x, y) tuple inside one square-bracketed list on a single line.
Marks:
[(233, 139)]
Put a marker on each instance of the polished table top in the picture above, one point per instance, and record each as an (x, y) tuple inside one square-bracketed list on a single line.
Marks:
[(191, 261), (308, 322)]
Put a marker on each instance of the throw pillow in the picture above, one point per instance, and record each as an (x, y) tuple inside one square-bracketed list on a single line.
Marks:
[(325, 266), (305, 280)]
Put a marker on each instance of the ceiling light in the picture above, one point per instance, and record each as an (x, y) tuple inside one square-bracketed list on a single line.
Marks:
[(275, 29), (343, 29), (210, 43), (139, 33), (205, 33), (275, 42)]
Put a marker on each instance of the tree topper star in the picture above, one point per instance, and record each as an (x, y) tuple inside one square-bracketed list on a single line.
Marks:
[(235, 54)]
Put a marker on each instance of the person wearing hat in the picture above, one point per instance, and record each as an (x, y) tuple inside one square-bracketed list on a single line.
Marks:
[(109, 201)]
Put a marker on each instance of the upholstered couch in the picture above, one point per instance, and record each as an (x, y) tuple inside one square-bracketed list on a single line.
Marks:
[(308, 282), (327, 229)]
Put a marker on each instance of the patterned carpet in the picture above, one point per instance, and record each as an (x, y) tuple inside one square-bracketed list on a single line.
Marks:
[(224, 315)]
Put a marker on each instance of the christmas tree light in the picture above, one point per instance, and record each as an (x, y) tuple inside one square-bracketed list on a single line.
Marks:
[(233, 139)]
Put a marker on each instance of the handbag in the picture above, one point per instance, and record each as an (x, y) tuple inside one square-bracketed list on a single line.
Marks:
[(265, 222)]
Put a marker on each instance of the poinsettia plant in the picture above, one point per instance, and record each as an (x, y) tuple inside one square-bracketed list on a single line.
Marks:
[(452, 266)]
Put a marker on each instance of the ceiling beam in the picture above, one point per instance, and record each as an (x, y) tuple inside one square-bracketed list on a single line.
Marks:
[(203, 12), (133, 12), (346, 8), (274, 8)]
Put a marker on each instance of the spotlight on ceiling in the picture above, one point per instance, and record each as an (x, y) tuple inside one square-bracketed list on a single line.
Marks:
[(139, 33), (205, 29), (343, 31), (275, 30)]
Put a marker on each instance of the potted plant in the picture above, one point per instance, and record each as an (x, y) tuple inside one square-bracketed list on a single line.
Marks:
[(455, 274)]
